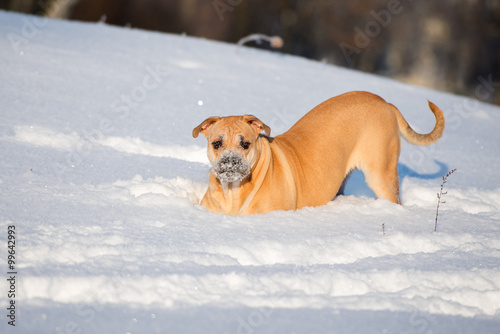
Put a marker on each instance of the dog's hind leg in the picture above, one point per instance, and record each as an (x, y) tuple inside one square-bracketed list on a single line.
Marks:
[(383, 180), (381, 171)]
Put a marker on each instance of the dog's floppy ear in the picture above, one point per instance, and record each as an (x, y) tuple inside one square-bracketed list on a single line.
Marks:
[(257, 124), (205, 125)]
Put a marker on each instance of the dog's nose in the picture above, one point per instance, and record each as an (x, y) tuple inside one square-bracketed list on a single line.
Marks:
[(229, 162), (231, 167)]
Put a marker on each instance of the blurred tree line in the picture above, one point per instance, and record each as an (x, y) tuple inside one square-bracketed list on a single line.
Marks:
[(449, 45)]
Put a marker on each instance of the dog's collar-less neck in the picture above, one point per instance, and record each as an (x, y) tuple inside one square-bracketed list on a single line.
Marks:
[(262, 166)]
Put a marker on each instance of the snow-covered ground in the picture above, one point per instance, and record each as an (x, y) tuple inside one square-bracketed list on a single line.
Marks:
[(100, 177)]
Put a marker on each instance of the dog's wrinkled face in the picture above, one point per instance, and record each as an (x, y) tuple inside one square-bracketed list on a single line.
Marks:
[(232, 145)]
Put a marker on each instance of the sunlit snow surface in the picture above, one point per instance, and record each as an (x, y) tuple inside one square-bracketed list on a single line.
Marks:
[(101, 178)]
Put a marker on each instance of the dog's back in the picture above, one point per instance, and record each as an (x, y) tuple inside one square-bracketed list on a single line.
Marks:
[(353, 130)]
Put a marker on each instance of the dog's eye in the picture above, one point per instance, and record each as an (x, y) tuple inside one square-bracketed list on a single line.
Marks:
[(217, 144), (245, 145)]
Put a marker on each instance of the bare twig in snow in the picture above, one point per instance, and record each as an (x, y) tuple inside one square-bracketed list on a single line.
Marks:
[(440, 195)]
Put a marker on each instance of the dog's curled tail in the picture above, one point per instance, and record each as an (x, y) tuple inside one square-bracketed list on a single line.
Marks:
[(422, 139)]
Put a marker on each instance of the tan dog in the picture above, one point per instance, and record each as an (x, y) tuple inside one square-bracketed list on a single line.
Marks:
[(307, 165)]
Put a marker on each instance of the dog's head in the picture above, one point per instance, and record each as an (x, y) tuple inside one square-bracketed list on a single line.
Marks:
[(232, 144)]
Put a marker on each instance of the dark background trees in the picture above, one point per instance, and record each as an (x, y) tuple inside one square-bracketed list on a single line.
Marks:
[(449, 45)]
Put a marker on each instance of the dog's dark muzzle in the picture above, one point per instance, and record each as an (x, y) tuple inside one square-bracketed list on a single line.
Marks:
[(231, 167)]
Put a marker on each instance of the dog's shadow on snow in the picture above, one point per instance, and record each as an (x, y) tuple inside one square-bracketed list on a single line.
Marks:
[(405, 171), (356, 185)]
